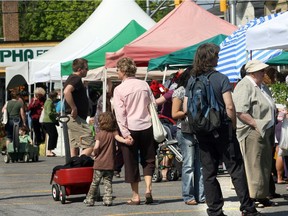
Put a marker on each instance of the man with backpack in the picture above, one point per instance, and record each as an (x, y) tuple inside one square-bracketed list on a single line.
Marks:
[(212, 117)]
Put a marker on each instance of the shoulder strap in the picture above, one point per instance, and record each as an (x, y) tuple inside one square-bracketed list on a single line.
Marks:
[(209, 74)]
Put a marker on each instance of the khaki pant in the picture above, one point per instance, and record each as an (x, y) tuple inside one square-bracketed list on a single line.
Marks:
[(257, 156), (80, 134)]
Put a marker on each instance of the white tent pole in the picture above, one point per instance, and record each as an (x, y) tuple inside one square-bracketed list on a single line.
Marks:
[(29, 92), (104, 89), (146, 76), (61, 114), (164, 76)]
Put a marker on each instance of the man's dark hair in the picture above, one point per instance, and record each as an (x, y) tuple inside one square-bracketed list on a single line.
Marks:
[(79, 63)]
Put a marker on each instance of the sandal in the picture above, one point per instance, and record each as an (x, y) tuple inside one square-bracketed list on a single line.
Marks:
[(191, 202), (132, 202), (148, 198)]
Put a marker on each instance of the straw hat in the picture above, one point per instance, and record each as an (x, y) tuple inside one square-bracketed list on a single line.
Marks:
[(254, 66)]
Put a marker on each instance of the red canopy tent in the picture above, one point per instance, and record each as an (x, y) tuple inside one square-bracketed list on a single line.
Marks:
[(184, 26)]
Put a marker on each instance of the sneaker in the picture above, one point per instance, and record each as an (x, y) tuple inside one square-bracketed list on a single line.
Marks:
[(107, 204), (267, 203), (245, 213), (117, 174), (259, 205), (273, 196), (88, 203)]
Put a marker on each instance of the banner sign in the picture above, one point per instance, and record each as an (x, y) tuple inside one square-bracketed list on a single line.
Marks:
[(11, 56)]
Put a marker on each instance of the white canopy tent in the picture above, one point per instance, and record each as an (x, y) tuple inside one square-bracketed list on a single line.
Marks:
[(99, 74), (107, 20), (272, 34)]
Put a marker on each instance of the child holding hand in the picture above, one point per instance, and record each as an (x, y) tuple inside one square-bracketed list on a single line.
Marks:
[(104, 151)]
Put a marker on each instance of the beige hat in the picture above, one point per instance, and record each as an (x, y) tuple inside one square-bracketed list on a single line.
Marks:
[(254, 66)]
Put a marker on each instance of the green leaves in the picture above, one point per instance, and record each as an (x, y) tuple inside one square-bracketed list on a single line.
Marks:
[(280, 93), (52, 20), (55, 20)]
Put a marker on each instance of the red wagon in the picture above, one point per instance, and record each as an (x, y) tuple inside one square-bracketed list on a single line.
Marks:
[(71, 181)]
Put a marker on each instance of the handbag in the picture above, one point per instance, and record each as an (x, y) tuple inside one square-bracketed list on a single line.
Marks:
[(159, 132), (283, 144), (42, 116)]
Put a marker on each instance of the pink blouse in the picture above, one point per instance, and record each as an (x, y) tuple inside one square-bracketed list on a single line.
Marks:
[(131, 100)]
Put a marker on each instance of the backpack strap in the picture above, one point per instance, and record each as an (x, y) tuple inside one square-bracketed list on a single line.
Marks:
[(209, 74)]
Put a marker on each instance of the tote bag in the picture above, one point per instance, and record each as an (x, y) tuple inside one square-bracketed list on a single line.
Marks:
[(159, 132), (283, 144)]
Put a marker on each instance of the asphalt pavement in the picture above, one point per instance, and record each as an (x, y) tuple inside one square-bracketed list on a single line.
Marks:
[(25, 190)]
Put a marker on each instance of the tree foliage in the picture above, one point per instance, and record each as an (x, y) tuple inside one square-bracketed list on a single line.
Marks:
[(52, 20), (47, 20)]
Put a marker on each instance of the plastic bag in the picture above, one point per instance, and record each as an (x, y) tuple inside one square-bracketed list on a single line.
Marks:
[(283, 144), (158, 130)]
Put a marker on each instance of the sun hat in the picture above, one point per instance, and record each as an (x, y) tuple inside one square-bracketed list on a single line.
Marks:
[(254, 66)]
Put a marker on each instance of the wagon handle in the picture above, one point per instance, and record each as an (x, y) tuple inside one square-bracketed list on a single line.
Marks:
[(63, 118)]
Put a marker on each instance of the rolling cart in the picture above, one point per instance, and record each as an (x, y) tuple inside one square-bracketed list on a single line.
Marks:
[(70, 181)]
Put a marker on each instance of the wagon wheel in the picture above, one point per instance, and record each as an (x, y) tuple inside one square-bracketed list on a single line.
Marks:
[(62, 194), (172, 175), (6, 158), (157, 176), (36, 157), (55, 192), (26, 157)]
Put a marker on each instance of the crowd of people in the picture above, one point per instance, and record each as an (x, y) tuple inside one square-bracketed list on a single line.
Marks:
[(245, 140)]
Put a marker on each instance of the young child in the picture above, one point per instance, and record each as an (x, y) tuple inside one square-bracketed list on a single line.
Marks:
[(24, 136), (104, 151)]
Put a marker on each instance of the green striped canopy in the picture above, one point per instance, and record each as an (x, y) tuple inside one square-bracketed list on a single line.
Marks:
[(97, 58), (281, 59), (181, 57)]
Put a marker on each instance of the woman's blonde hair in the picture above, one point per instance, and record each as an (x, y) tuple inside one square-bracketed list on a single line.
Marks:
[(128, 66), (39, 91)]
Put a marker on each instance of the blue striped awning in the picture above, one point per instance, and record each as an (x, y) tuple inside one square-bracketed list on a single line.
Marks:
[(233, 52)]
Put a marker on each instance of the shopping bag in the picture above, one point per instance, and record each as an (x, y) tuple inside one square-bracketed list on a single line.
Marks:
[(283, 144), (159, 132)]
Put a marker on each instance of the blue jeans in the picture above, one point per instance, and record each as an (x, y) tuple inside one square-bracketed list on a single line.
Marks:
[(192, 178)]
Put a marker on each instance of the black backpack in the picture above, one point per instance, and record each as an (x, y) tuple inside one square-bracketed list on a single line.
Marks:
[(203, 109)]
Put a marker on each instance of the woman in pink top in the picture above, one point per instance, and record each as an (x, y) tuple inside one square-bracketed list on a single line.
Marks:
[(131, 100)]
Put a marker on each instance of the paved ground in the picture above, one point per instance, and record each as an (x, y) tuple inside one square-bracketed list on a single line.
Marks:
[(25, 190)]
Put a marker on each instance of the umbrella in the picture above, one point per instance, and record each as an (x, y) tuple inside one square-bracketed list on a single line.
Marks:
[(271, 35), (233, 52)]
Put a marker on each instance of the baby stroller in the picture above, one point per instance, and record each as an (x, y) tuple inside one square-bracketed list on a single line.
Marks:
[(169, 148)]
